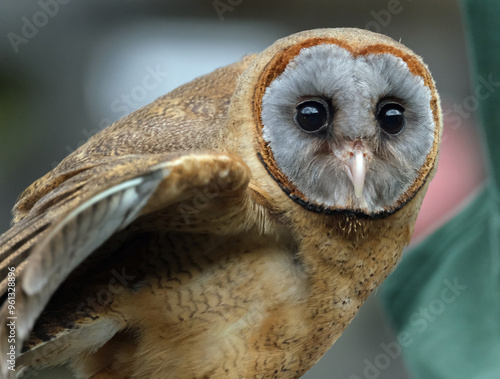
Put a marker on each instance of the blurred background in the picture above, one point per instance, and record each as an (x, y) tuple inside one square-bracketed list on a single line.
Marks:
[(68, 69)]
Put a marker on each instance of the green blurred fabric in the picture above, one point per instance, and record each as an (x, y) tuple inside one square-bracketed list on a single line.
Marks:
[(444, 298)]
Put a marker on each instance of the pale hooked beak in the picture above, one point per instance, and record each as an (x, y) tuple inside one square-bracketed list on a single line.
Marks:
[(355, 167)]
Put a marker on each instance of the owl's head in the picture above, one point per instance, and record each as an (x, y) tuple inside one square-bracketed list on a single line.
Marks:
[(347, 121)]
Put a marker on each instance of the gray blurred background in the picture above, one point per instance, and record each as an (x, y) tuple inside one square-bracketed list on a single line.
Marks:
[(68, 69)]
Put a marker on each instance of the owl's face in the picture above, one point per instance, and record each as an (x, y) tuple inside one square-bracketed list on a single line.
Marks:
[(347, 131)]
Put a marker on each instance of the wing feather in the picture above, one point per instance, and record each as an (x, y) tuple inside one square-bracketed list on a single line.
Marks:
[(17, 243), (49, 243), (75, 237), (62, 217)]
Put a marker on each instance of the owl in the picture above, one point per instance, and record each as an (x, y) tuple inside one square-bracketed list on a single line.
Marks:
[(233, 227)]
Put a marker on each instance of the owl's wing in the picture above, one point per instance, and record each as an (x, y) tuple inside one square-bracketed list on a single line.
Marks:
[(92, 203)]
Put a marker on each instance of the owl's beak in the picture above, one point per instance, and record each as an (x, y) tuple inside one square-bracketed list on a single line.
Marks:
[(356, 170)]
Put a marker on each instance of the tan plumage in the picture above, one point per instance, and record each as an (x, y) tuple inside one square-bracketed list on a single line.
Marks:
[(173, 245)]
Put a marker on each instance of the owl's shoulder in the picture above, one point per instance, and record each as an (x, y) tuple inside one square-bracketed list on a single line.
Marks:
[(191, 117)]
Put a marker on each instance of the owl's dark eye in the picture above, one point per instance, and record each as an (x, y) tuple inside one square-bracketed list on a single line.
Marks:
[(391, 118), (312, 115)]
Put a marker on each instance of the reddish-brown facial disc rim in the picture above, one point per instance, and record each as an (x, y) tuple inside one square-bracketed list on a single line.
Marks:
[(278, 64)]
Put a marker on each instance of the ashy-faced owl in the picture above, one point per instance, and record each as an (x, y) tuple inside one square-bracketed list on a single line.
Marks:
[(233, 227)]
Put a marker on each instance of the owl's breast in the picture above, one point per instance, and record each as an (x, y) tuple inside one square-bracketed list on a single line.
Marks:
[(213, 303)]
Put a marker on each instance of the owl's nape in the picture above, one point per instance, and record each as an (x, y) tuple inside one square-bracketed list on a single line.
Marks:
[(233, 227), (349, 130)]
